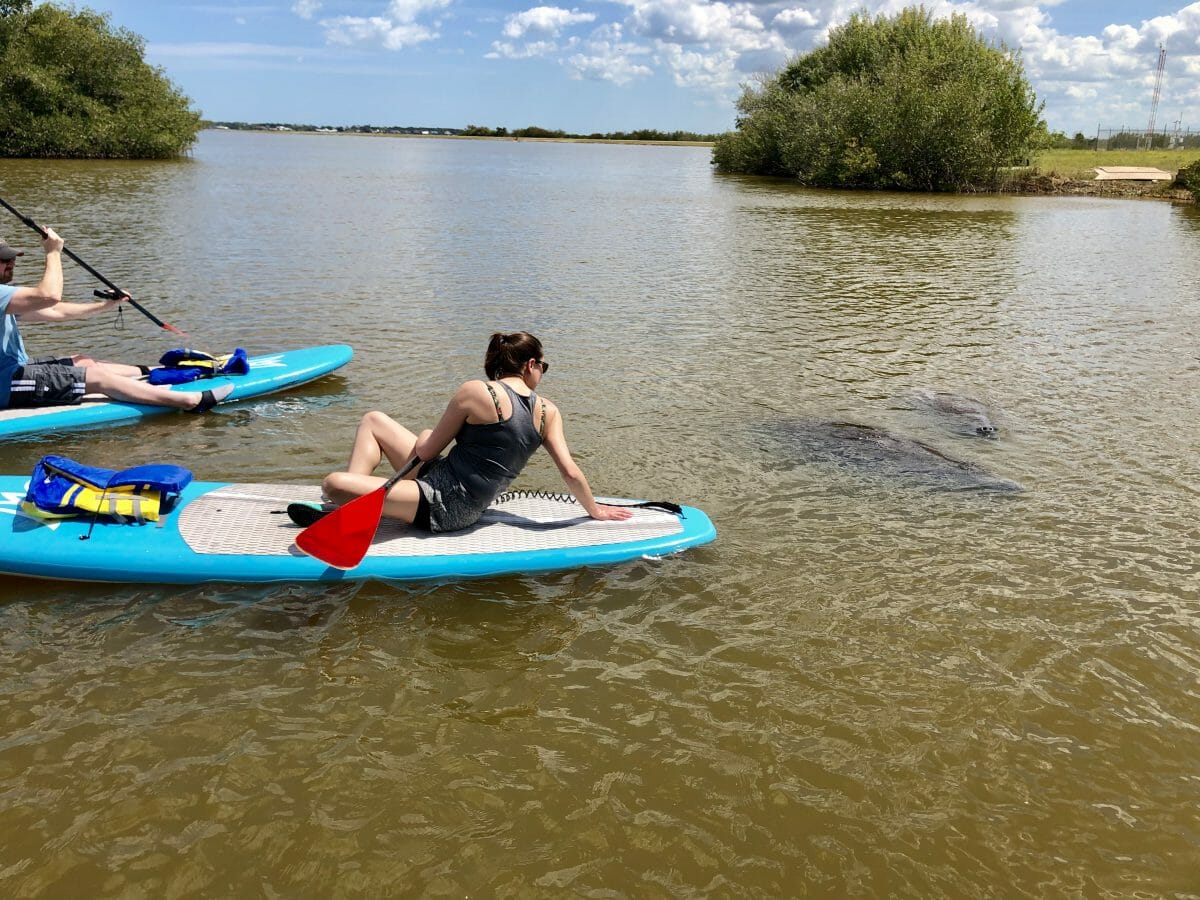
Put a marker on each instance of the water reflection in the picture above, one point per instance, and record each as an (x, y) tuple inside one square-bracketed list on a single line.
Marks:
[(864, 686), (1189, 216)]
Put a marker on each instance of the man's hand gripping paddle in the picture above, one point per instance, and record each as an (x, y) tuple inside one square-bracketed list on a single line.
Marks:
[(113, 292), (342, 537)]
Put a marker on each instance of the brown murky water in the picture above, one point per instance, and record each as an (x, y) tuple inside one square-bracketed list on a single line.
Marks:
[(873, 683)]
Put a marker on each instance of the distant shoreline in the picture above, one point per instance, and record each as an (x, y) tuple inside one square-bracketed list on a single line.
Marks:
[(466, 137), (1036, 183)]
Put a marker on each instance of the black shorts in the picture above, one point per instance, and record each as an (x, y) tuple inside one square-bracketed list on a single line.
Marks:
[(421, 518), (47, 381)]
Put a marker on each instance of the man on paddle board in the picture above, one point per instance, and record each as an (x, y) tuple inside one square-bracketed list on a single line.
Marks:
[(57, 381), (496, 425)]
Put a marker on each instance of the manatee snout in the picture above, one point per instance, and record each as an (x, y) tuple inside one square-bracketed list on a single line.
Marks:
[(970, 415)]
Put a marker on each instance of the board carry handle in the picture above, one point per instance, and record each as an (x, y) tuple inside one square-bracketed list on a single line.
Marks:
[(116, 291), (342, 537)]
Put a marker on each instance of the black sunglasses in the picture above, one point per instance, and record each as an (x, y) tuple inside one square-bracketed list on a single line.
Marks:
[(545, 366)]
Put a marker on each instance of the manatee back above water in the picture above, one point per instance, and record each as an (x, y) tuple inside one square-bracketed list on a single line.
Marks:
[(970, 415), (874, 450)]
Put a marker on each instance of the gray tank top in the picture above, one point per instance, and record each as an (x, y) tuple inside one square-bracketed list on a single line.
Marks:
[(481, 465)]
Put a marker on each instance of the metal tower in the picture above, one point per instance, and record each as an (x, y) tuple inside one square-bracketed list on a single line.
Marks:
[(1158, 78)]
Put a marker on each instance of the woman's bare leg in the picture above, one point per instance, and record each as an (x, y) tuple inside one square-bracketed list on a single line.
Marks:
[(402, 499), (379, 436)]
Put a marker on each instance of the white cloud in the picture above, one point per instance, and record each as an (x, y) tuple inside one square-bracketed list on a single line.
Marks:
[(408, 10), (716, 72), (544, 20), (394, 30), (1107, 80), (693, 21), (617, 68), (607, 56), (794, 19), (505, 50), (306, 9), (711, 45), (376, 29)]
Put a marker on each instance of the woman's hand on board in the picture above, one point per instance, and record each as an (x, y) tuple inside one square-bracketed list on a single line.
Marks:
[(611, 513)]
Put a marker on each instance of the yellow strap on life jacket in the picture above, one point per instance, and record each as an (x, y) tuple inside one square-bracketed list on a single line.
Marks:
[(137, 502)]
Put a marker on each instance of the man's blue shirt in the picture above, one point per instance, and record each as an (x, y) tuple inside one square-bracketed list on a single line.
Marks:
[(12, 348)]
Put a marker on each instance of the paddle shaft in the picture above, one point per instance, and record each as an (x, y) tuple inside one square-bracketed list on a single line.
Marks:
[(408, 467), (116, 290)]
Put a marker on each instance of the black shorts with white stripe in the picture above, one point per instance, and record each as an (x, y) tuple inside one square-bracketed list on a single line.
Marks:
[(52, 383)]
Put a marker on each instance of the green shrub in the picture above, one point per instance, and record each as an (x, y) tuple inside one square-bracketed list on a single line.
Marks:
[(1189, 178), (902, 102), (72, 86)]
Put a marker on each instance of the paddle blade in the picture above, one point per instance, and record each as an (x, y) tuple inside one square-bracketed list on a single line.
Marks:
[(342, 538)]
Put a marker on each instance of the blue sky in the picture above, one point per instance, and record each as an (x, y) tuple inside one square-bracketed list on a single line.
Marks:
[(615, 66)]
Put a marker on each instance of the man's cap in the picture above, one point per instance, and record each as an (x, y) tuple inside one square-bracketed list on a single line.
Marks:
[(7, 252)]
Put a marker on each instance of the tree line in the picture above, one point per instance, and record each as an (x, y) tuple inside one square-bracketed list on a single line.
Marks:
[(640, 134), (331, 129), (1123, 140), (532, 131)]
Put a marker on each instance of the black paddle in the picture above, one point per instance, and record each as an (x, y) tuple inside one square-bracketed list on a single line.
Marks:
[(115, 291)]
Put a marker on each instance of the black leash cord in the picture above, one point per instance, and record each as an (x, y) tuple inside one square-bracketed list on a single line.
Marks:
[(665, 505)]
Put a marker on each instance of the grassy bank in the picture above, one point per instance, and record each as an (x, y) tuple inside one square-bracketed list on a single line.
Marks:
[(1080, 163), (1073, 172)]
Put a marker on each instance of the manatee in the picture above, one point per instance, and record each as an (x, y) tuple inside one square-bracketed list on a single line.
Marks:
[(871, 449), (969, 414)]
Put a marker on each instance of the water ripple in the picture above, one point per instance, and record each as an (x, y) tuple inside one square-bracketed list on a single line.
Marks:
[(867, 686)]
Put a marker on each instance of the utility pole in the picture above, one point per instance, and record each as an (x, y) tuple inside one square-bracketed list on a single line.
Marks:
[(1158, 79)]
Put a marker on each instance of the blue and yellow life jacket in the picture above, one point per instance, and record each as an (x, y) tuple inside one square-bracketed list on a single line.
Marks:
[(183, 364), (60, 488)]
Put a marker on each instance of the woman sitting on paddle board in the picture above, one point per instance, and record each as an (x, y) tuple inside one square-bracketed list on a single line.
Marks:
[(496, 425), (58, 381)]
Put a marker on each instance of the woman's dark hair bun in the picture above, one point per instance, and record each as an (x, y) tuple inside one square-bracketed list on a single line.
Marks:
[(507, 353)]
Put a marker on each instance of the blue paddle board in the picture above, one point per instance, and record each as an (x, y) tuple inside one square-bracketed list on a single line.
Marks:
[(241, 533), (269, 373)]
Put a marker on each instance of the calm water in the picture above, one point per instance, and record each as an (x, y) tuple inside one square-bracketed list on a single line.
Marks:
[(867, 687)]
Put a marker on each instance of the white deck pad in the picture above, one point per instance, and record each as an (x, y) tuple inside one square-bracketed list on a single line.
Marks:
[(249, 519)]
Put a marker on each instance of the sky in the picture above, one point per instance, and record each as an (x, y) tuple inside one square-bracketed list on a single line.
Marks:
[(619, 65)]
